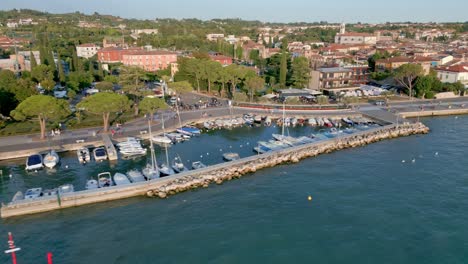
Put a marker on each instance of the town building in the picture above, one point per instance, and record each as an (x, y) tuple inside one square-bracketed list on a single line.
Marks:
[(453, 74), (20, 62), (344, 77), (114, 54), (224, 60), (214, 37), (353, 37), (149, 60), (391, 64), (113, 42), (87, 50)]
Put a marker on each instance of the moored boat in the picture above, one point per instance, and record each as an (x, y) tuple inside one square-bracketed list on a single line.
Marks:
[(34, 162), (230, 156), (104, 179), (99, 154), (66, 188), (83, 155), (120, 179), (91, 184), (178, 166), (198, 165), (162, 139), (32, 193), (51, 159), (135, 176), (165, 170)]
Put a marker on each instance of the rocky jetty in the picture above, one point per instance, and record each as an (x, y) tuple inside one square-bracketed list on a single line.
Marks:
[(236, 169)]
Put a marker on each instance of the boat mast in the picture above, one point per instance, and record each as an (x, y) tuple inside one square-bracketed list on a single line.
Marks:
[(165, 145), (177, 109), (153, 156), (282, 128)]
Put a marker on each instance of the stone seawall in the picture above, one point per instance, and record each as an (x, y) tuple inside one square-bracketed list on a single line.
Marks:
[(291, 155)]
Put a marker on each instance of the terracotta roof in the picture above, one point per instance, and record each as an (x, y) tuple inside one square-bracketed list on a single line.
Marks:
[(355, 34), (87, 45), (405, 59), (455, 68)]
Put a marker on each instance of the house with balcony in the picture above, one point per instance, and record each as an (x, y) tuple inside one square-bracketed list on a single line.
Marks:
[(339, 78)]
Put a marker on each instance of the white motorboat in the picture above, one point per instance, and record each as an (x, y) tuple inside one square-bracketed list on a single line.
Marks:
[(83, 155), (99, 154), (135, 176), (120, 179), (104, 179), (293, 121), (178, 166), (34, 162), (51, 159), (175, 137), (312, 121), (257, 119), (18, 196), (267, 121), (165, 170), (208, 124), (92, 184), (230, 156), (162, 139), (49, 192), (133, 151), (33, 193), (66, 188), (185, 136), (198, 165)]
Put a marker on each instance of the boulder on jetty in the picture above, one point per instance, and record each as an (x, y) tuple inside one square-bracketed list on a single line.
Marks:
[(295, 154)]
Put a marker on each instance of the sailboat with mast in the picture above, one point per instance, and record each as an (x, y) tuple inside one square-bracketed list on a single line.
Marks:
[(164, 168), (151, 170)]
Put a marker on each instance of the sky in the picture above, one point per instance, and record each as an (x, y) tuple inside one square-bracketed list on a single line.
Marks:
[(350, 11)]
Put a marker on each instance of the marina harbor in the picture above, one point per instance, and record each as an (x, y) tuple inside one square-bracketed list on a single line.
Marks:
[(165, 176)]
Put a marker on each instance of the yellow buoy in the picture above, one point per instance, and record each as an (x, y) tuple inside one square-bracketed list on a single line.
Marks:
[(309, 198)]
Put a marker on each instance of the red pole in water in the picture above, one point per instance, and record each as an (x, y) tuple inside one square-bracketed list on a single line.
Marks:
[(49, 258), (13, 249)]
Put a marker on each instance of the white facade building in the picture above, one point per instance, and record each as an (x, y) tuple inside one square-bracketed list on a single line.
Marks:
[(453, 74), (87, 50)]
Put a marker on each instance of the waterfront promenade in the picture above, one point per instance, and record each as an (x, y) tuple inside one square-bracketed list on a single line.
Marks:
[(24, 145)]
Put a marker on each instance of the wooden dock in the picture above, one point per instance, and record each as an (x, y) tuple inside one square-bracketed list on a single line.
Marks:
[(111, 151)]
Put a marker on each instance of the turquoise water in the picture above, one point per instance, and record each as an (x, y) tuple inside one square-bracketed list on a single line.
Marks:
[(368, 207)]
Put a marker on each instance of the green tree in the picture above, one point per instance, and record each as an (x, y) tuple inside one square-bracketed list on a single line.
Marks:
[(151, 105), (406, 74), (300, 72), (254, 84), (79, 80), (239, 52), (180, 87), (42, 72), (211, 71), (223, 79), (61, 72), (33, 60), (194, 69), (131, 82), (111, 78), (104, 104), (283, 69), (105, 86), (45, 108), (48, 84)]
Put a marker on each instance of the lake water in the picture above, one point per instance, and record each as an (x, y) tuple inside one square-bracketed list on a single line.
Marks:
[(368, 206)]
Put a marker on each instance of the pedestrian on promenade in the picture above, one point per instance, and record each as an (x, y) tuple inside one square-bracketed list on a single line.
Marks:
[(112, 132)]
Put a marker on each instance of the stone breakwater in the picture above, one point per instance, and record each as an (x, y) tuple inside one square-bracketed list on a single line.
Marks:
[(219, 174)]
